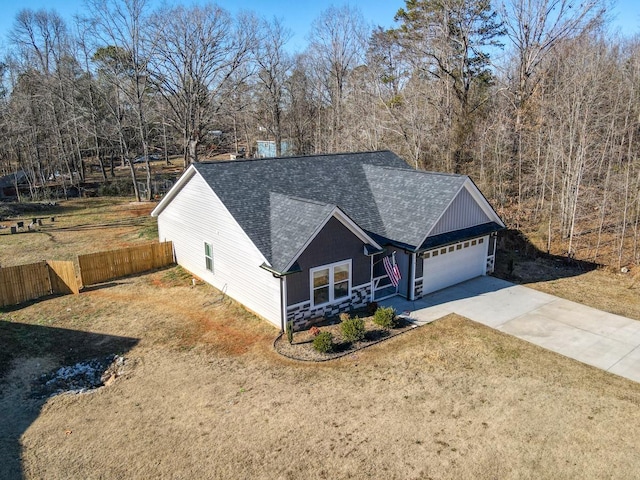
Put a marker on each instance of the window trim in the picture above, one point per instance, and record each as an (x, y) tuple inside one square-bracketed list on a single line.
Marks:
[(208, 257), (331, 285)]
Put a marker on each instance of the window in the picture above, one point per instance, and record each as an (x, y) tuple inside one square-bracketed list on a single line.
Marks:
[(331, 283), (459, 246), (481, 240), (208, 256), (473, 242), (427, 255), (466, 244), (451, 248), (443, 251)]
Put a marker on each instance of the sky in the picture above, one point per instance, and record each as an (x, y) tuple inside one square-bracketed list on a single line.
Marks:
[(296, 14)]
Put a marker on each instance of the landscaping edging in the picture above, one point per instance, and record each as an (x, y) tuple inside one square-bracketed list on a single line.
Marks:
[(333, 356)]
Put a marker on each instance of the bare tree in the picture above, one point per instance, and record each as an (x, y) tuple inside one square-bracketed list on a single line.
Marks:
[(336, 47), (274, 65), (200, 49), (125, 25)]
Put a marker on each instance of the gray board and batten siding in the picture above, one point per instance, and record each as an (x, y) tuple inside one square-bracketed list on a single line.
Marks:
[(334, 243)]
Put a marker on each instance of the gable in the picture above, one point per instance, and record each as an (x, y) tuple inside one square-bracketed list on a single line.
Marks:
[(333, 243), (463, 212)]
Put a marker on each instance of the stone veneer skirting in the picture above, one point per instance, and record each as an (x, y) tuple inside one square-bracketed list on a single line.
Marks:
[(302, 313), (418, 288)]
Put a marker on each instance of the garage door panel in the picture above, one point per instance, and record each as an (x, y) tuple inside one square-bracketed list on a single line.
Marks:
[(452, 267)]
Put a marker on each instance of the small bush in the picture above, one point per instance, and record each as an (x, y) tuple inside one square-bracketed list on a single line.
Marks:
[(385, 317), (314, 331), (290, 332), (372, 307), (352, 329), (323, 343), (344, 316)]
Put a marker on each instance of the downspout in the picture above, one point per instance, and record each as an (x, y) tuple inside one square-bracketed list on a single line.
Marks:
[(283, 300)]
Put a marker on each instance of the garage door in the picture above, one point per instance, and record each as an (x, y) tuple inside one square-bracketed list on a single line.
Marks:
[(453, 264)]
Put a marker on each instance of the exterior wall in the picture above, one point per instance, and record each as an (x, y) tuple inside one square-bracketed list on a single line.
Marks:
[(334, 243), (419, 268), (402, 260), (463, 212), (302, 314), (195, 216)]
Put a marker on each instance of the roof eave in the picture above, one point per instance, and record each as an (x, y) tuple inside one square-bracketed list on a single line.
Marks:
[(343, 218), (182, 181)]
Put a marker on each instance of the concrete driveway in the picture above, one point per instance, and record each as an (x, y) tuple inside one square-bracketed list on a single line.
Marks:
[(591, 336)]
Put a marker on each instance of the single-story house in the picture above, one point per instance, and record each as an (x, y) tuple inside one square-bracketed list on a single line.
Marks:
[(298, 238)]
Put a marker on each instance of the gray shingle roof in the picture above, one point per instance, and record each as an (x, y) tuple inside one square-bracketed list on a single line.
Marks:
[(280, 202), (293, 221)]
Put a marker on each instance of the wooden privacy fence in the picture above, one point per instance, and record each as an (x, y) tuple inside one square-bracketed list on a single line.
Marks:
[(103, 266), (27, 282)]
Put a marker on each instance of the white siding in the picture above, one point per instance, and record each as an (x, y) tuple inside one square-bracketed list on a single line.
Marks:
[(463, 212), (195, 216)]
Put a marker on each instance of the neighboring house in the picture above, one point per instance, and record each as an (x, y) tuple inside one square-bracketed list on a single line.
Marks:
[(297, 238)]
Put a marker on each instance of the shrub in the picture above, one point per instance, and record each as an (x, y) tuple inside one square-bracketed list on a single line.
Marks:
[(323, 343), (290, 332), (352, 329), (385, 317), (372, 307), (315, 331), (344, 316)]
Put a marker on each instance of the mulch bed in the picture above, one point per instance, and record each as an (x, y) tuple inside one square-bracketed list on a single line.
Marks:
[(302, 346)]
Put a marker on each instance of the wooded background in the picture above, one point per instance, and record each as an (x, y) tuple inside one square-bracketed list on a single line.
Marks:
[(537, 100)]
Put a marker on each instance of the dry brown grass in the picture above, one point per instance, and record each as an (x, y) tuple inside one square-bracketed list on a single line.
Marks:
[(205, 395), (80, 226)]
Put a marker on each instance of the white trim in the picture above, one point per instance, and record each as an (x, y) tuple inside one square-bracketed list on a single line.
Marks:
[(330, 285), (371, 282), (212, 270), (480, 200), (339, 215), (182, 181), (412, 291)]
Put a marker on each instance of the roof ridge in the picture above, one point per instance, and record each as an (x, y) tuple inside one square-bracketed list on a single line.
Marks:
[(314, 155), (428, 172), (306, 200)]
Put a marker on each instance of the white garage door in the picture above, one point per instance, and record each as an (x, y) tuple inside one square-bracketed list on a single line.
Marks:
[(453, 264)]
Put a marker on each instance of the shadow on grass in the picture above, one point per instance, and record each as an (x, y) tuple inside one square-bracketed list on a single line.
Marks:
[(18, 343), (35, 301), (519, 260), (376, 335)]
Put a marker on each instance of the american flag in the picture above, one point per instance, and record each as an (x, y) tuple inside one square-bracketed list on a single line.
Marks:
[(392, 270)]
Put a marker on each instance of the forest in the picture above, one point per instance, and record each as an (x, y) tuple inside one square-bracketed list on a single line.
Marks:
[(537, 100)]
